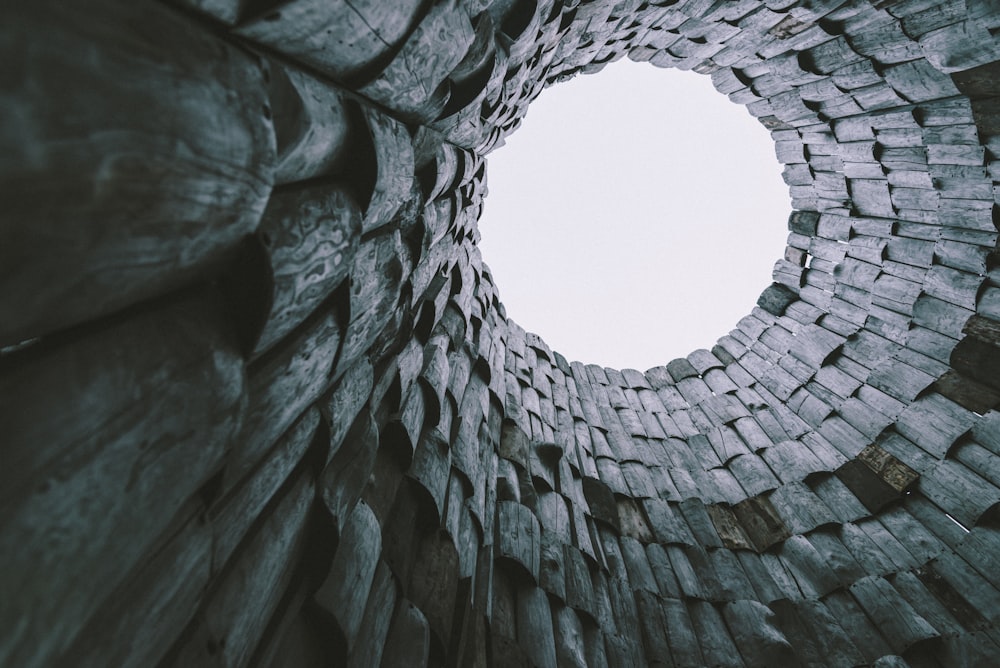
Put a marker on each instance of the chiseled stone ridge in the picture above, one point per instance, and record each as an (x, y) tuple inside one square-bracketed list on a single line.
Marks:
[(260, 404)]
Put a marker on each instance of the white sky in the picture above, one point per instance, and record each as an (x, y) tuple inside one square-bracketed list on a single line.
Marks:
[(634, 217)]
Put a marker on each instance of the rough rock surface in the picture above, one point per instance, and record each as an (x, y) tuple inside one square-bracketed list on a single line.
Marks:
[(260, 404)]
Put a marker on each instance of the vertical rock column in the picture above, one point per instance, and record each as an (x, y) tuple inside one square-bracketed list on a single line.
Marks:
[(262, 406)]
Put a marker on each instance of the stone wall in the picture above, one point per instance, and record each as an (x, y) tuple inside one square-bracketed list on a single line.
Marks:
[(262, 406)]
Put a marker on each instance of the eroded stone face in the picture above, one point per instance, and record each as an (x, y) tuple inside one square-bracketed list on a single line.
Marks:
[(399, 474)]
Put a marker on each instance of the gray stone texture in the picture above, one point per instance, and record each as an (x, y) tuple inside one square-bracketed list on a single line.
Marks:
[(260, 403)]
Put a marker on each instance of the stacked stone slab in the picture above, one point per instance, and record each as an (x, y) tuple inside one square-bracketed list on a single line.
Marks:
[(262, 406)]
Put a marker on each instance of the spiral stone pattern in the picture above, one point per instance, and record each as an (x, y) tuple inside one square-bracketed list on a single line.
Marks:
[(261, 404)]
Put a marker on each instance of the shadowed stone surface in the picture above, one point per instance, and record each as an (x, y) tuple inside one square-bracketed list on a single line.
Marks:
[(261, 404)]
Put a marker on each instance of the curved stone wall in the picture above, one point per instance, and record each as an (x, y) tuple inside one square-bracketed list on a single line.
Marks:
[(261, 404)]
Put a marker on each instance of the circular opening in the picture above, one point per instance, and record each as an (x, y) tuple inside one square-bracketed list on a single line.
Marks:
[(634, 217)]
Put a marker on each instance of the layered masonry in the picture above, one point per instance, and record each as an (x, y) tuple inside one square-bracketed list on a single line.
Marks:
[(261, 404)]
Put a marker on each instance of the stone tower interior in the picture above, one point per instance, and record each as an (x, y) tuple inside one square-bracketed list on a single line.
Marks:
[(261, 405)]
